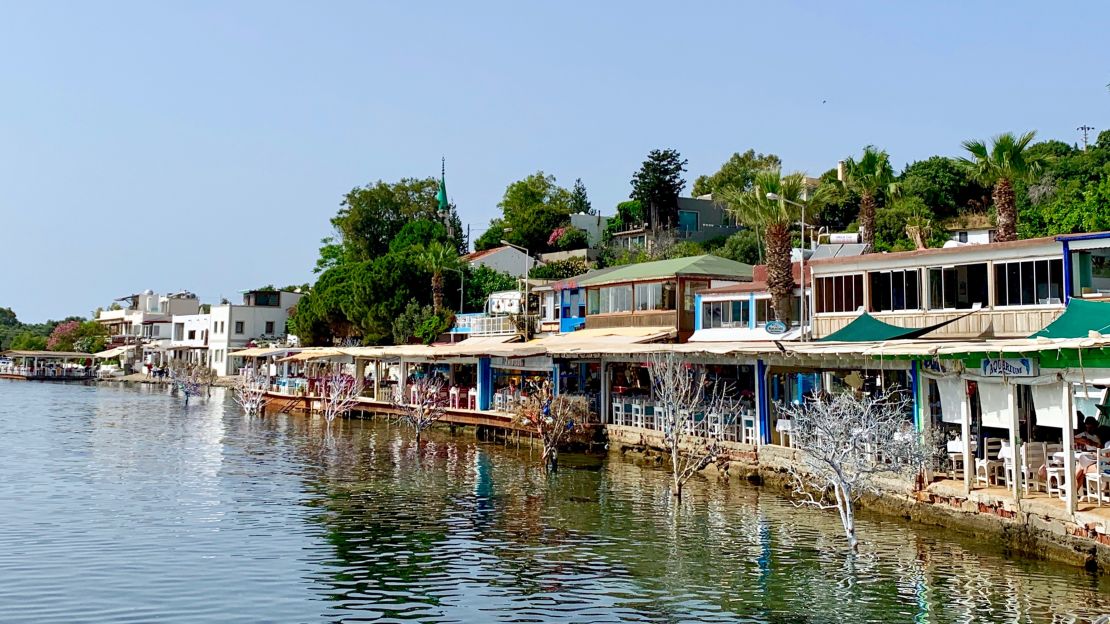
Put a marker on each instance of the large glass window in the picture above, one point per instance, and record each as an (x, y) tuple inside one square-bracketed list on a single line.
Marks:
[(839, 293), (894, 290), (593, 297), (958, 287), (732, 314), (1032, 282), (615, 299)]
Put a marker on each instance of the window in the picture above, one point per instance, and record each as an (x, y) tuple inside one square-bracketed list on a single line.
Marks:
[(958, 287), (267, 298), (1032, 282), (157, 331), (732, 314), (839, 293), (894, 290), (689, 289), (270, 328), (763, 311), (963, 237), (593, 298), (192, 334), (238, 327), (687, 221), (656, 296), (616, 299)]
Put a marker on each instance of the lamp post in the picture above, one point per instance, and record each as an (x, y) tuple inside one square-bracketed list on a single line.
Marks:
[(802, 312), (527, 257), (462, 287)]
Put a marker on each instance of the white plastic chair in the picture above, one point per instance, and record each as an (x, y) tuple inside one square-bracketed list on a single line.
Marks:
[(747, 427), (1098, 483), (617, 417), (1032, 458), (472, 399), (990, 467), (453, 397), (637, 414)]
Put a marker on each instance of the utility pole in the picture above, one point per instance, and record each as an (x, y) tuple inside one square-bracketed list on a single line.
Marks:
[(1085, 129)]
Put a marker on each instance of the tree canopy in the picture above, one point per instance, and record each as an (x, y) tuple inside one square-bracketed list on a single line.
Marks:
[(737, 172), (657, 184), (531, 209)]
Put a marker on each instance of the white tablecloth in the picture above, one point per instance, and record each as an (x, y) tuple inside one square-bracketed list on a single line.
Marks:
[(1081, 459)]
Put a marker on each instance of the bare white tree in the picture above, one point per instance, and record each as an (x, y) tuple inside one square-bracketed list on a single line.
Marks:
[(551, 418), (848, 444), (250, 393), (190, 380), (430, 405), (692, 413), (338, 395)]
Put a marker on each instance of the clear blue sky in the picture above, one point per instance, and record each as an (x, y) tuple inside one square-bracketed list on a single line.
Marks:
[(204, 145)]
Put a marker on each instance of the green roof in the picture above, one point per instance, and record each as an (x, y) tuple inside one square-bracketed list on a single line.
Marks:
[(1080, 318), (709, 266), (866, 328)]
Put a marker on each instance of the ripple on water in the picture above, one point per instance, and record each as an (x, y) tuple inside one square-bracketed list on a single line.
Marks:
[(122, 505)]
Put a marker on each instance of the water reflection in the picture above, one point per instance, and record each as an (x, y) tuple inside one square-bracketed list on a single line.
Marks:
[(123, 504)]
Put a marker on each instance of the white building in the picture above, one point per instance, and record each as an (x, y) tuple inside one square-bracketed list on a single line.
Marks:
[(147, 316), (505, 259), (189, 339), (261, 318)]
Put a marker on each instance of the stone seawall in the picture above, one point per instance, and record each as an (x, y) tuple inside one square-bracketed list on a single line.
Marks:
[(1037, 527)]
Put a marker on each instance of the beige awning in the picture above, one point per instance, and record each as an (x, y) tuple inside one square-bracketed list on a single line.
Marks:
[(313, 354), (111, 353), (47, 354), (263, 351)]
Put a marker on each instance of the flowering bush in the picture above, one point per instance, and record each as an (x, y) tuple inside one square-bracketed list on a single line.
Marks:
[(556, 234), (61, 339)]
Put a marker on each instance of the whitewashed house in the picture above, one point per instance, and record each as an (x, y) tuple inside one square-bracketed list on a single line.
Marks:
[(504, 259), (260, 318), (189, 340)]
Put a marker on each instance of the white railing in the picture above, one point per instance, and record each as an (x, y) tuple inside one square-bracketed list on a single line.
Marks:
[(60, 373), (485, 325)]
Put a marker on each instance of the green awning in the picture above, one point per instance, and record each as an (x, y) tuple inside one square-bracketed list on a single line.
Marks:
[(1079, 319), (866, 328)]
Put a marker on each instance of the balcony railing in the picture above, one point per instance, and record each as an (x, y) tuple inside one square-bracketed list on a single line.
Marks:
[(480, 324)]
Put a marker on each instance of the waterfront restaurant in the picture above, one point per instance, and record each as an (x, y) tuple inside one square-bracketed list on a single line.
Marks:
[(47, 365)]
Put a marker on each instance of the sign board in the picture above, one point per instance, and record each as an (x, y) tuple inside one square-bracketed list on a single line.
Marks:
[(775, 327), (1008, 367)]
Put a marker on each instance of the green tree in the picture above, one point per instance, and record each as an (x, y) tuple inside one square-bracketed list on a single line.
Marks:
[(370, 216), (481, 281), (8, 318), (738, 172), (438, 258), (531, 209), (998, 166), (869, 177), (559, 269), (28, 341), (744, 246), (579, 201), (774, 217), (630, 215), (943, 184), (419, 233), (898, 223), (656, 186)]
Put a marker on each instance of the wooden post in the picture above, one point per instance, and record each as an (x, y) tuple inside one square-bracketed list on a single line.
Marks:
[(965, 424), (1015, 440), (603, 400), (377, 378), (1070, 487)]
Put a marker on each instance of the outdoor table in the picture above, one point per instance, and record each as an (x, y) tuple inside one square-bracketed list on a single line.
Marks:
[(1082, 458)]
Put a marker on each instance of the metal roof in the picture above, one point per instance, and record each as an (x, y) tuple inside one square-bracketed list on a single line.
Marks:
[(709, 266)]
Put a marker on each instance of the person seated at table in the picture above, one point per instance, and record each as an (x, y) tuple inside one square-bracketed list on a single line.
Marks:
[(1088, 439)]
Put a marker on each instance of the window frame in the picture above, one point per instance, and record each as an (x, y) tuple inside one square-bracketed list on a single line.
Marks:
[(825, 299), (1002, 288)]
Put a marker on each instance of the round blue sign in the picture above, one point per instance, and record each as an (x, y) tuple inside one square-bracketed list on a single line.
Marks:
[(775, 327)]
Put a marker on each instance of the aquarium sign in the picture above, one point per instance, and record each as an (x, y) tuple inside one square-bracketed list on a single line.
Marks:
[(775, 327), (1008, 367)]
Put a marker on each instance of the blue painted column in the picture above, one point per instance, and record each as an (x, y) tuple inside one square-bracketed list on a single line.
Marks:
[(915, 388), (1067, 272), (762, 402), (751, 311), (556, 379), (697, 312), (485, 383)]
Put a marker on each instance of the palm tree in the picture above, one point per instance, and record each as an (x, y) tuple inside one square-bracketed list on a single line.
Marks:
[(1006, 162), (774, 217), (867, 177), (438, 258)]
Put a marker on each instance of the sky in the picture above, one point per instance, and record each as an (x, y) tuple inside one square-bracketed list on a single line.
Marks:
[(204, 146)]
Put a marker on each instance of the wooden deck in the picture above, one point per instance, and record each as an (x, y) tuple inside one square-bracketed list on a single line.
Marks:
[(281, 403)]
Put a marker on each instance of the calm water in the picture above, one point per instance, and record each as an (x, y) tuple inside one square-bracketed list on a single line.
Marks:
[(122, 505)]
